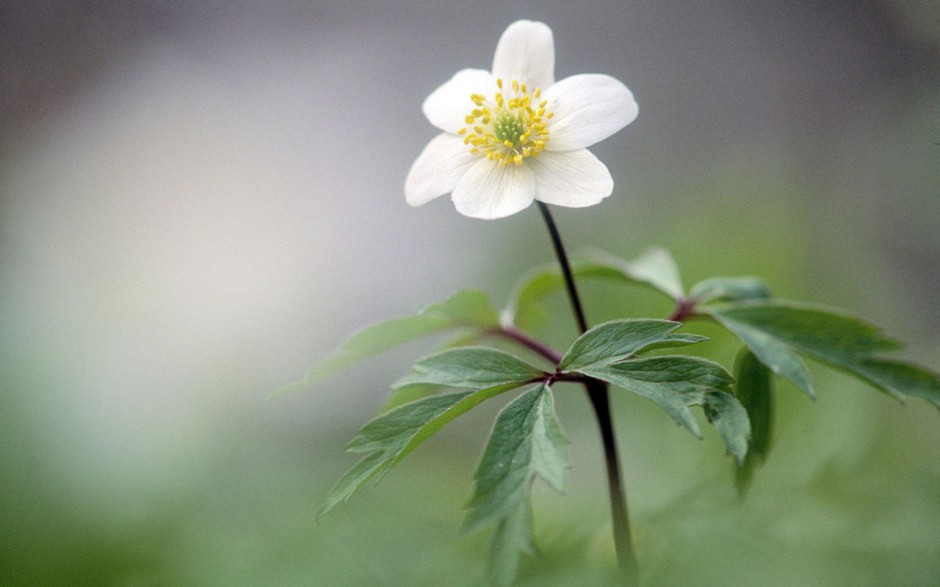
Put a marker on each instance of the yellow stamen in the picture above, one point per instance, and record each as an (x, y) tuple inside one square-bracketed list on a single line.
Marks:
[(507, 129)]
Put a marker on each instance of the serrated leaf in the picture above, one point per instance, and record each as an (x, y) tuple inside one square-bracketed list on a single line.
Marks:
[(776, 330), (391, 436), (654, 268), (463, 406), (526, 441), (511, 535), (351, 481), (470, 367), (728, 289), (384, 437), (616, 340), (468, 308), (671, 382), (391, 431), (730, 419), (754, 389)]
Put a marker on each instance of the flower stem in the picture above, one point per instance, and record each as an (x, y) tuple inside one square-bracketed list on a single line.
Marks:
[(600, 401), (565, 267)]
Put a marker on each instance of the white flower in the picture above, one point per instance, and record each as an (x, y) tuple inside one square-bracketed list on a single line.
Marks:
[(513, 135)]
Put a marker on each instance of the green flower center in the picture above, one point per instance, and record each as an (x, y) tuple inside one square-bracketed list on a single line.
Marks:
[(510, 128)]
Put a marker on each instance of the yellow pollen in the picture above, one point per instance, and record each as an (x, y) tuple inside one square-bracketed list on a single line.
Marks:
[(507, 129)]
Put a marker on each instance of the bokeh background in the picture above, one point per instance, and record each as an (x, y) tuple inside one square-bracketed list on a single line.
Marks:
[(200, 199)]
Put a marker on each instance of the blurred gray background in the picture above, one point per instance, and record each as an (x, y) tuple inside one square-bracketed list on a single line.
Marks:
[(199, 199)]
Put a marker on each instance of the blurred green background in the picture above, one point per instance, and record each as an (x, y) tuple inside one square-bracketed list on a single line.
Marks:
[(198, 200)]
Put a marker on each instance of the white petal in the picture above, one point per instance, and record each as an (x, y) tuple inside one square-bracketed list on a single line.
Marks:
[(488, 191), (450, 103), (587, 108), (437, 169), (572, 178), (526, 52)]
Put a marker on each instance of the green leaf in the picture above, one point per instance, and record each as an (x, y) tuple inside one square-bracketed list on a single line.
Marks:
[(351, 481), (755, 388), (730, 420), (407, 394), (619, 339), (526, 441), (754, 383), (526, 311), (369, 342), (673, 383), (390, 437), (468, 308), (470, 367), (812, 329), (655, 268), (897, 377), (385, 437), (676, 339), (776, 330), (728, 289), (778, 356), (463, 406)]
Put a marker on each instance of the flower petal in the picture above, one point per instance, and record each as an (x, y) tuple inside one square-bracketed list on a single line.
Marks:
[(447, 106), (437, 169), (587, 108), (526, 52), (488, 191), (572, 178)]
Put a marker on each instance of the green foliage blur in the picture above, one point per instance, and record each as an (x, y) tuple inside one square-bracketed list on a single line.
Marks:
[(848, 495)]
